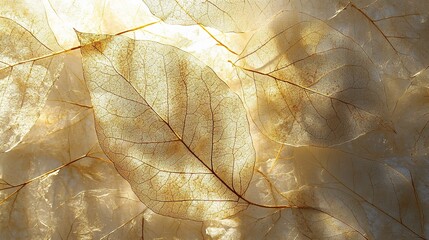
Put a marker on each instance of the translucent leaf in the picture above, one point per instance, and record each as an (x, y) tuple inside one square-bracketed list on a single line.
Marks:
[(422, 78), (32, 16), (284, 224), (413, 130), (351, 76), (172, 128), (155, 227), (95, 16), (64, 189), (307, 84), (223, 15), (25, 80), (394, 33), (370, 194), (236, 15)]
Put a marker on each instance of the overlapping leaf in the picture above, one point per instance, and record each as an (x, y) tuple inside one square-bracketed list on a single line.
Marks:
[(367, 193), (236, 15), (39, 202), (172, 128), (322, 73), (414, 129), (25, 80), (307, 84), (297, 224), (393, 33), (223, 15), (422, 78)]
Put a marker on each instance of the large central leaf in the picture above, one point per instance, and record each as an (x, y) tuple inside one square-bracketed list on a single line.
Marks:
[(172, 128)]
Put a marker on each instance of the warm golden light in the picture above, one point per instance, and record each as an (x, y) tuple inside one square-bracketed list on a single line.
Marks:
[(178, 119)]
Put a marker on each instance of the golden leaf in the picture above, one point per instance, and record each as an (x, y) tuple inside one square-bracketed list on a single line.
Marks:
[(236, 15), (25, 81), (414, 104), (172, 128), (60, 151), (362, 191), (351, 76), (307, 84), (223, 15), (393, 33)]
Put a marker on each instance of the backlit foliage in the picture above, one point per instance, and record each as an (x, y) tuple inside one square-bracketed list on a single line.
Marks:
[(271, 119)]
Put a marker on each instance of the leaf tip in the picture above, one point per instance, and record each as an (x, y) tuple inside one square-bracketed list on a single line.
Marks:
[(89, 38)]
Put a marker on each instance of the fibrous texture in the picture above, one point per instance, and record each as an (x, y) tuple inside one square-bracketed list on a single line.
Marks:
[(25, 81), (310, 84), (272, 119), (172, 128)]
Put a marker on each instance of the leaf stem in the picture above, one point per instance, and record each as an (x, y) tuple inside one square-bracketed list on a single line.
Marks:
[(205, 30), (74, 48), (22, 185)]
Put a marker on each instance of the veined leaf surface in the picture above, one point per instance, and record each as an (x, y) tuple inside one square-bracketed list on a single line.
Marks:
[(25, 81), (172, 128)]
